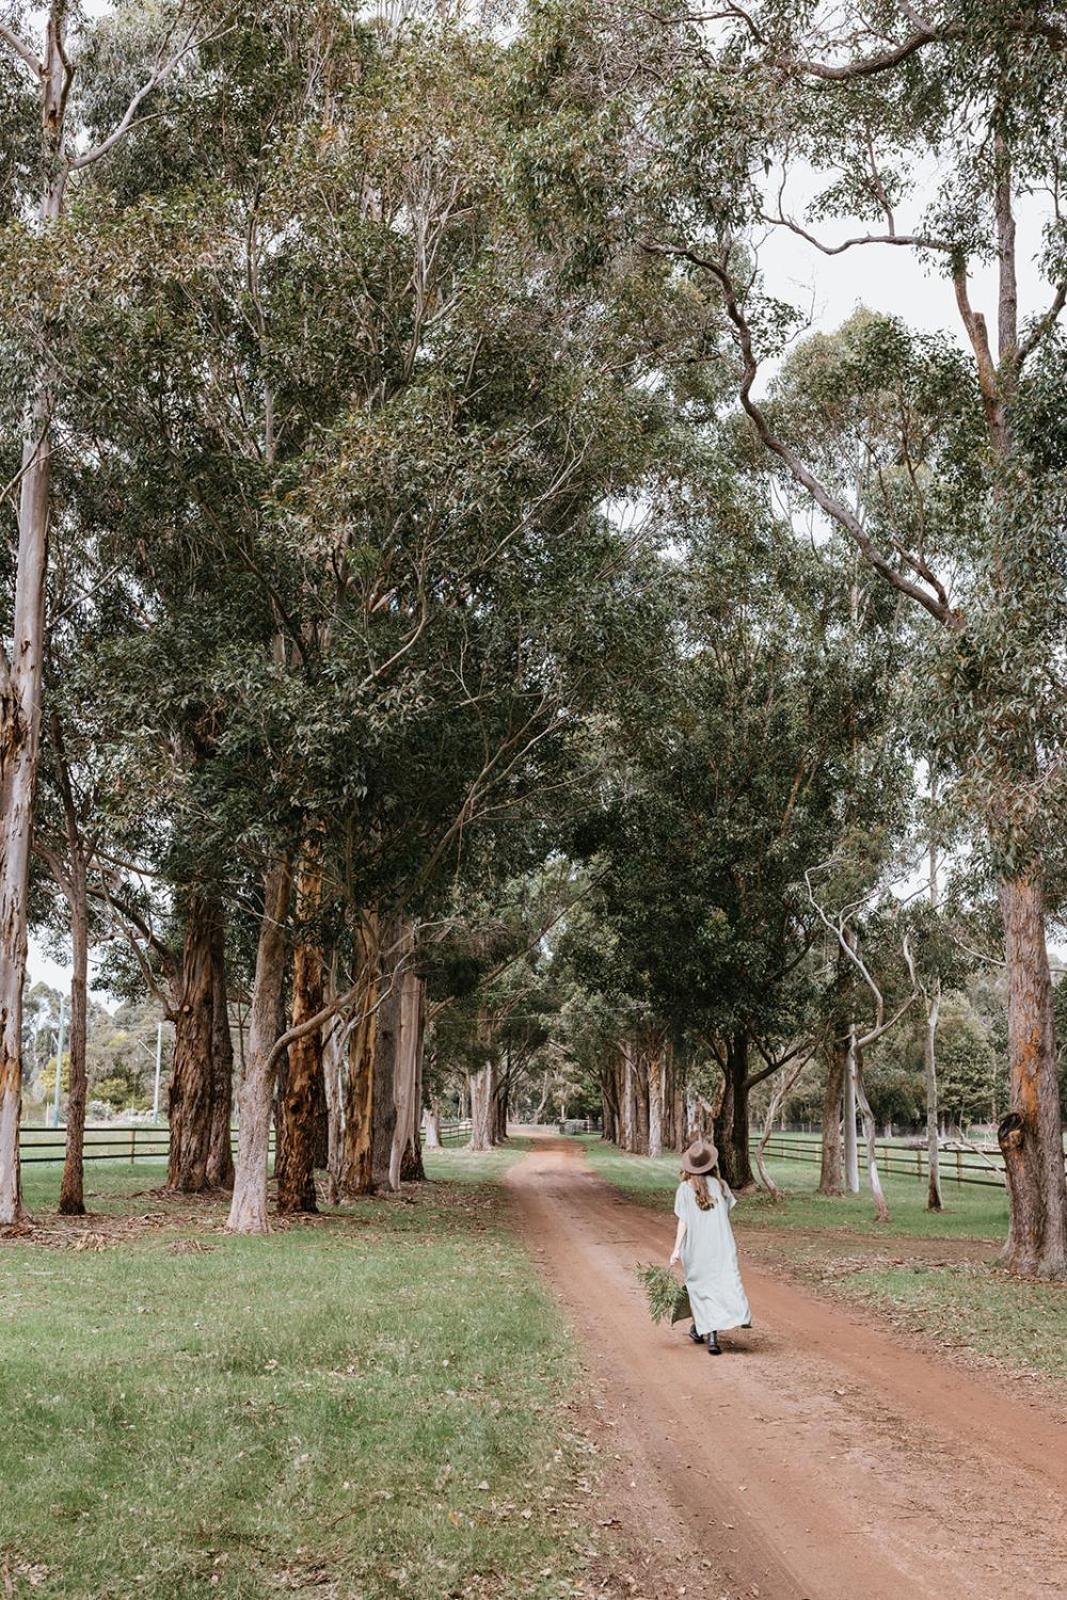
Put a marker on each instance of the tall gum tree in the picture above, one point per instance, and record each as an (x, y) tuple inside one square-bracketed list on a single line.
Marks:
[(52, 69), (882, 106)]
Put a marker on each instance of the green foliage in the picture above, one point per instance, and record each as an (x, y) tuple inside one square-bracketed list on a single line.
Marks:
[(667, 1298)]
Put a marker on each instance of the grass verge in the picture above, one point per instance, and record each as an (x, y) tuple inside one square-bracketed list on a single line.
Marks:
[(371, 1404)]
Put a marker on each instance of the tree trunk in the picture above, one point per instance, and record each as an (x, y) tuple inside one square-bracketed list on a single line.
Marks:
[(411, 1167), (831, 1171), (481, 1085), (220, 1147), (194, 1033), (356, 1172), (870, 1131), (383, 1107), (333, 1059), (71, 1191), (409, 1047), (655, 1101), (248, 1210), (609, 1099), (1031, 1135), (501, 1099), (22, 676), (852, 1158), (641, 1098), (431, 1125), (933, 1189), (299, 1109), (628, 1098), (731, 1124)]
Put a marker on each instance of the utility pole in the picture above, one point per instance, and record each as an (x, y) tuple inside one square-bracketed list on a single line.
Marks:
[(159, 1064), (59, 1065)]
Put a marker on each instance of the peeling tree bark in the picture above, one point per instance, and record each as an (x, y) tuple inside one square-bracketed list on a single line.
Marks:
[(383, 1108), (655, 1100), (299, 1104), (832, 1169), (409, 1047), (482, 1086), (220, 1150), (852, 1158), (1031, 1135), (356, 1167), (191, 1082), (22, 674), (248, 1210), (431, 1125), (72, 1186)]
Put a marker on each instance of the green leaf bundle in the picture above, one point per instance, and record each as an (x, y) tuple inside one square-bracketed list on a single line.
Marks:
[(668, 1300)]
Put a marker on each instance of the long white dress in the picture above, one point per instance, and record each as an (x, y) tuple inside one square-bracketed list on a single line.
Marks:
[(709, 1257)]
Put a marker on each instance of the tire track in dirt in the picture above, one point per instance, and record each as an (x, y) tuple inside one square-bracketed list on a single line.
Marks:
[(818, 1459)]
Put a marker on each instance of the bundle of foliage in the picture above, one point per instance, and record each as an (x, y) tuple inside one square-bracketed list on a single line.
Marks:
[(668, 1300)]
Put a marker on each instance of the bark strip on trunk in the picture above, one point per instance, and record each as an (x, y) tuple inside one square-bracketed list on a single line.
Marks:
[(355, 1175), (1031, 1135), (220, 1148), (301, 1102), (383, 1099), (191, 1083), (248, 1210), (831, 1171), (72, 1186)]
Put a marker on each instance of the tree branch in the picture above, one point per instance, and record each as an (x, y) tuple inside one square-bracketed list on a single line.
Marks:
[(163, 71), (21, 49), (834, 508), (1044, 324)]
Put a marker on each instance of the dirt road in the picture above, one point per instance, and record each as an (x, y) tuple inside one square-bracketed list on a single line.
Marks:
[(818, 1458)]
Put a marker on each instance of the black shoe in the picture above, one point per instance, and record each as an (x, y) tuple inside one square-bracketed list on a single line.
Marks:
[(714, 1347), (697, 1338)]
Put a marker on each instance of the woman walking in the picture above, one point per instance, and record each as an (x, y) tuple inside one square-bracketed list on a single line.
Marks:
[(704, 1243)]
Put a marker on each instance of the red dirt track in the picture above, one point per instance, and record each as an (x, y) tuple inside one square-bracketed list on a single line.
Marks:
[(818, 1458)]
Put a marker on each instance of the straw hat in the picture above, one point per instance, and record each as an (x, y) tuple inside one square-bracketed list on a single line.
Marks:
[(700, 1157)]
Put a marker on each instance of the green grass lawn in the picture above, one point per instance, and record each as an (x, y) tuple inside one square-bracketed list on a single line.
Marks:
[(969, 1306), (971, 1212), (372, 1404)]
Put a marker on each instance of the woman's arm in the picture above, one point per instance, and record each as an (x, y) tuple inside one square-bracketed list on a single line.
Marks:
[(679, 1235)]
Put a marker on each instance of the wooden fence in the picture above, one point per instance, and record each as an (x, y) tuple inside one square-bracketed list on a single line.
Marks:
[(136, 1141), (142, 1141), (958, 1164)]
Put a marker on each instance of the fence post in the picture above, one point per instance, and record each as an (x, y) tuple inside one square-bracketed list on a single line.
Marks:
[(959, 1167), (133, 1143)]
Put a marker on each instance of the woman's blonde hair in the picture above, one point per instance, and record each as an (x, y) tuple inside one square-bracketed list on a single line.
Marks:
[(702, 1194)]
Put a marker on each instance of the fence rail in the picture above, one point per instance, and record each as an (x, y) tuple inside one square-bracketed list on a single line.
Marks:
[(957, 1164), (139, 1141), (131, 1143)]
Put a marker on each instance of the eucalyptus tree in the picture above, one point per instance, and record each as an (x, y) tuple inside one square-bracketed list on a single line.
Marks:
[(919, 129), (69, 143), (775, 733), (372, 430)]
